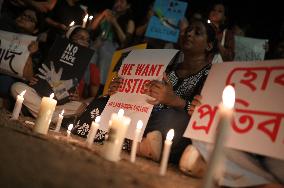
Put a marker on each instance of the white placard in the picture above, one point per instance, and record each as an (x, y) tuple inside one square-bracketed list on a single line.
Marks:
[(138, 68), (258, 124), (14, 52)]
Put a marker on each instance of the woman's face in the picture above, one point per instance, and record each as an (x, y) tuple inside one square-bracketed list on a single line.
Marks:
[(27, 21), (217, 14), (195, 38), (120, 5), (81, 37)]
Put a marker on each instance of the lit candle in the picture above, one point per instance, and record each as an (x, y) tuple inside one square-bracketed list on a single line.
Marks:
[(59, 121), (69, 129), (71, 24), (85, 20), (208, 21), (47, 107), (166, 152), (117, 131), (93, 131), (91, 17), (135, 141), (225, 119), (18, 105)]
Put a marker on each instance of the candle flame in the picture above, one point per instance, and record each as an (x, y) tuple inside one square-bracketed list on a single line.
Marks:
[(120, 113), (70, 127), (72, 23), (170, 134), (98, 119), (139, 124), (51, 95), (229, 97), (86, 18), (91, 17), (23, 93), (208, 21), (62, 112)]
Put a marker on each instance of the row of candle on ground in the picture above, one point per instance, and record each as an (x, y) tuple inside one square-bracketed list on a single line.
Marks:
[(118, 128), (226, 113)]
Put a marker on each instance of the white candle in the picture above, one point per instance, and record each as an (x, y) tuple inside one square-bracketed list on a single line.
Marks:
[(47, 107), (18, 105), (71, 24), (69, 129), (85, 20), (135, 141), (93, 131), (166, 152), (225, 119), (91, 17), (59, 121), (117, 131)]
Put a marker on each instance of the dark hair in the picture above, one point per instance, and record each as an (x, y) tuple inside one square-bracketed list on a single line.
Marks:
[(226, 11), (77, 30), (211, 34)]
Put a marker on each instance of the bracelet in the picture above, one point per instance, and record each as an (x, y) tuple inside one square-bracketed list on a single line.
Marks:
[(187, 106)]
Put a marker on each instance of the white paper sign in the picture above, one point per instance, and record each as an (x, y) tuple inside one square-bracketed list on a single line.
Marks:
[(249, 49), (14, 52), (258, 124), (138, 68)]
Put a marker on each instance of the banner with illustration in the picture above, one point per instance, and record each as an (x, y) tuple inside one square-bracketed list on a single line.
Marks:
[(164, 24), (137, 69), (249, 49), (259, 115), (117, 59), (63, 69), (14, 52)]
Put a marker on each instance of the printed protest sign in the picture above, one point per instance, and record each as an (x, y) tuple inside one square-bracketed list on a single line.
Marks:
[(63, 69), (258, 125), (138, 68), (116, 62), (164, 24), (249, 49), (14, 52)]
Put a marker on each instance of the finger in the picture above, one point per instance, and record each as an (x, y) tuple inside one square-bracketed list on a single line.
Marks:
[(52, 66), (156, 83), (166, 79), (198, 97), (60, 73), (43, 72), (45, 68), (190, 112), (195, 102), (42, 77), (152, 101)]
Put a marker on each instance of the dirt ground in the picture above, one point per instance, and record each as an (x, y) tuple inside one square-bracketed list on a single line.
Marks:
[(31, 160)]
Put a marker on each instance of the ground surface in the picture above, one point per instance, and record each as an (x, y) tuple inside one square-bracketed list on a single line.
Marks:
[(32, 160)]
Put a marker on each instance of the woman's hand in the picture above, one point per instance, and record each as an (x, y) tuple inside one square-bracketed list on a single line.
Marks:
[(114, 85), (162, 92), (33, 47), (195, 103), (108, 15), (33, 80)]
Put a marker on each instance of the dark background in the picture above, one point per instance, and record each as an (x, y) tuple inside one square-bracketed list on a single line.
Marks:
[(264, 17)]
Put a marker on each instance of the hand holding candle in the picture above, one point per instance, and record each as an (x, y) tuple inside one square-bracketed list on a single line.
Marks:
[(225, 119), (93, 131), (47, 107), (166, 152), (70, 127), (135, 141), (59, 121), (18, 105)]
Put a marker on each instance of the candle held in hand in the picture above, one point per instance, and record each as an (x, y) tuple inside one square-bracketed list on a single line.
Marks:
[(135, 141), (166, 152), (93, 131), (225, 119), (70, 127), (47, 107), (18, 105)]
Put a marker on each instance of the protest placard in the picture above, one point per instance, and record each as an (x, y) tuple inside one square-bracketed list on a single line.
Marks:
[(14, 52), (164, 24), (249, 49), (63, 69), (138, 68), (258, 124)]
